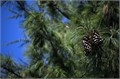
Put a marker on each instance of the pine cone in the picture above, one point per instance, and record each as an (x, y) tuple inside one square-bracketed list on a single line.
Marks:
[(92, 41), (87, 44), (96, 38)]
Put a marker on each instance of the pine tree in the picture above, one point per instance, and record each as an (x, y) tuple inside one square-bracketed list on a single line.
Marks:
[(85, 46)]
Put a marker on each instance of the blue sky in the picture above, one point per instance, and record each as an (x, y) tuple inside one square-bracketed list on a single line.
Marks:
[(10, 31)]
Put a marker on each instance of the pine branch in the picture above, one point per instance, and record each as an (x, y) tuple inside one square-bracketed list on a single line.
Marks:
[(23, 8), (11, 71), (2, 3), (54, 6), (63, 13)]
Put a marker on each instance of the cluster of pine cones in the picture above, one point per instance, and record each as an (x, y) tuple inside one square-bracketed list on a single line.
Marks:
[(94, 40)]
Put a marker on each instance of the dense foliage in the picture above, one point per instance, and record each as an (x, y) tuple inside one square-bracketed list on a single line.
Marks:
[(84, 46)]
